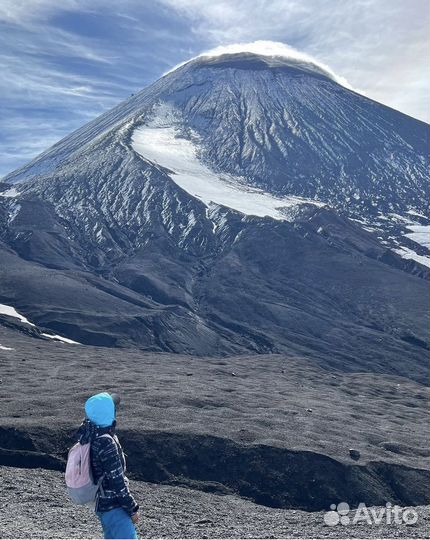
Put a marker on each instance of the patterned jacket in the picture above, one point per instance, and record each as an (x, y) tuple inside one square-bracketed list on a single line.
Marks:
[(108, 457)]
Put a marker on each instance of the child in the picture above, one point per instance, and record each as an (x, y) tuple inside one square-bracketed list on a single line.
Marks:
[(115, 506)]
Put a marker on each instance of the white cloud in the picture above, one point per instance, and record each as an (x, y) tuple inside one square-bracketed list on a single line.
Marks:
[(20, 12), (274, 49)]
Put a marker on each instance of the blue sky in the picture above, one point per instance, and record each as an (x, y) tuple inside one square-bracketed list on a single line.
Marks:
[(65, 62)]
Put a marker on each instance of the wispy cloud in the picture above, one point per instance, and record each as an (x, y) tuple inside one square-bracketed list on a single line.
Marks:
[(65, 62), (273, 48)]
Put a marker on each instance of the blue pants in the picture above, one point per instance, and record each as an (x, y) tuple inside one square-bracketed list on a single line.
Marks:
[(117, 523)]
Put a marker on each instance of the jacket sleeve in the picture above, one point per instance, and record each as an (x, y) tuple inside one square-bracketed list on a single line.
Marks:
[(112, 466)]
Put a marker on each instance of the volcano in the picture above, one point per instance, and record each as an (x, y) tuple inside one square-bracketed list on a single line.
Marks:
[(243, 203)]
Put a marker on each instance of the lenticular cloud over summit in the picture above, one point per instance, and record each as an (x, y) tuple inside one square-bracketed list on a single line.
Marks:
[(274, 49)]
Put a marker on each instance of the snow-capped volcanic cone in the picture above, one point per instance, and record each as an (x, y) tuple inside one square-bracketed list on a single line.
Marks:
[(244, 202)]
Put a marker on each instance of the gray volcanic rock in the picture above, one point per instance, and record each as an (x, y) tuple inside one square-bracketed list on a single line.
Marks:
[(172, 512), (105, 245)]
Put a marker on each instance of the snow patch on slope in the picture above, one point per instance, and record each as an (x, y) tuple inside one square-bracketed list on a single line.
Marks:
[(416, 214), (163, 145), (397, 227), (12, 192), (407, 253), (61, 338), (12, 312), (420, 234)]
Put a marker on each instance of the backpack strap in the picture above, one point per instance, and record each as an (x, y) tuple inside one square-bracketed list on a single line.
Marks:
[(104, 435), (99, 484), (100, 480)]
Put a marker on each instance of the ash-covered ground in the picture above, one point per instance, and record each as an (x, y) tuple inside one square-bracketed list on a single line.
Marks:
[(248, 446), (33, 503)]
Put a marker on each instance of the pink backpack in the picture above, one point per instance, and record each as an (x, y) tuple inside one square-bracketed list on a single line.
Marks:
[(79, 478)]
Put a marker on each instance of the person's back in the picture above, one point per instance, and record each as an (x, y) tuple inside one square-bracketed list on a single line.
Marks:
[(115, 506)]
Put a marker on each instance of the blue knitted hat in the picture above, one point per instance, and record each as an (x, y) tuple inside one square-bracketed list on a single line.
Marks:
[(100, 409)]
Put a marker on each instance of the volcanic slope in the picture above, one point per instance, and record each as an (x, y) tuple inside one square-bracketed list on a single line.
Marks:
[(260, 244)]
